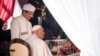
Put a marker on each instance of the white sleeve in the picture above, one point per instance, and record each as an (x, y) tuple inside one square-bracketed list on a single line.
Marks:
[(14, 29)]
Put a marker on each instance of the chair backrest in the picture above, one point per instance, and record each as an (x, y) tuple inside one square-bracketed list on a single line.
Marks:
[(19, 47)]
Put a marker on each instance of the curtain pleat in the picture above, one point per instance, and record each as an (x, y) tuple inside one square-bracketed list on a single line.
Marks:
[(6, 9), (72, 16)]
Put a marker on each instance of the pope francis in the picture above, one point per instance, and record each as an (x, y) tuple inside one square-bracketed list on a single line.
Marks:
[(38, 46), (20, 26)]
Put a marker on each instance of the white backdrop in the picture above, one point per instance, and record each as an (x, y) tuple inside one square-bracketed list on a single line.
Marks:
[(94, 20), (80, 21), (17, 12)]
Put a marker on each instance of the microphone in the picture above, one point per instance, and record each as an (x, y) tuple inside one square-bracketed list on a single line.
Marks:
[(40, 20)]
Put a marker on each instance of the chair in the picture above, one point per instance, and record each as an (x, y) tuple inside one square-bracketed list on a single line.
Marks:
[(19, 47)]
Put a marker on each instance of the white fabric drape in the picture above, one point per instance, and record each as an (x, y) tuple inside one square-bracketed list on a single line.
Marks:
[(74, 18), (94, 20), (17, 11)]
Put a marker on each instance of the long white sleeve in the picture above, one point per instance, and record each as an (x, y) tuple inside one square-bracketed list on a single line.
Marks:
[(14, 29)]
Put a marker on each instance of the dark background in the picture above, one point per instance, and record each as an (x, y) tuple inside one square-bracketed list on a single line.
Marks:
[(51, 27)]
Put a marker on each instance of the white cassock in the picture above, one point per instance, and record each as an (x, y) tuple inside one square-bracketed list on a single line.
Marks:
[(20, 28), (38, 46)]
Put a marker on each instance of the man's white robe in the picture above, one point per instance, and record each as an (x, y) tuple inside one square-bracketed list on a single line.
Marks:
[(20, 28), (38, 46)]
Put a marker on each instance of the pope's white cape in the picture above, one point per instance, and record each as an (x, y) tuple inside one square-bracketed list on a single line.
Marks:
[(38, 46)]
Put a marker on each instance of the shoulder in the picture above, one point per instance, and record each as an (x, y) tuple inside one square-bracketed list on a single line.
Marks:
[(41, 42), (15, 19), (35, 40)]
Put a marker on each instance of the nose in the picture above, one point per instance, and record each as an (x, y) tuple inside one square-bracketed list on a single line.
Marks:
[(43, 33), (31, 16)]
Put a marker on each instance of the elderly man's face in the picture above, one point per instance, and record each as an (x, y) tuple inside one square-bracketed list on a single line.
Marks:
[(41, 33)]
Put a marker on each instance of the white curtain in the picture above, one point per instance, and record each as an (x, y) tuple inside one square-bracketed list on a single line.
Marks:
[(76, 19), (17, 12), (94, 24), (17, 9)]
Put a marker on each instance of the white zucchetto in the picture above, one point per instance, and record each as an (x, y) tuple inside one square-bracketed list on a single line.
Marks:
[(36, 27)]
